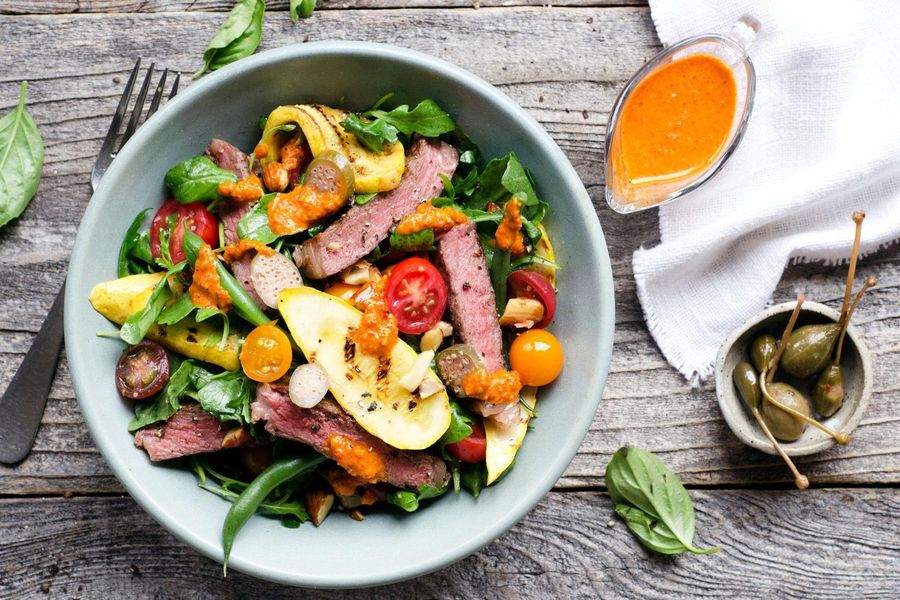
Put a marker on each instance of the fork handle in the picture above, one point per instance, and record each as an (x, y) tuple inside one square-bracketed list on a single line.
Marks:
[(22, 405)]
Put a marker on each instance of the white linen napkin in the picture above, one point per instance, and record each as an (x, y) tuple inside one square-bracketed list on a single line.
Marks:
[(823, 140)]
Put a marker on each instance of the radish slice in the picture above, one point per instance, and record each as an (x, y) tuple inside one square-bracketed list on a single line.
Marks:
[(308, 386), (271, 274)]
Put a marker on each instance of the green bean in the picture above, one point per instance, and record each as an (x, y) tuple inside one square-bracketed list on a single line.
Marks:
[(243, 303), (281, 471)]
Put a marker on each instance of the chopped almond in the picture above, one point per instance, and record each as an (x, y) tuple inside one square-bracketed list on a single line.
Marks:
[(522, 313), (318, 504)]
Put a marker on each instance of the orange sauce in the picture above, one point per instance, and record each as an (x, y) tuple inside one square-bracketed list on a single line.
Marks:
[(427, 216), (248, 189), (358, 460), (509, 233), (500, 387), (234, 252), (300, 208), (206, 290), (377, 332), (676, 122)]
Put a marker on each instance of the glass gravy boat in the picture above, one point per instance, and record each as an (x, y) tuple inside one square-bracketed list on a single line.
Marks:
[(625, 196)]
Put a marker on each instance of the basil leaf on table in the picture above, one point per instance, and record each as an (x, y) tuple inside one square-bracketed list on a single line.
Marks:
[(197, 179), (302, 9), (21, 160), (651, 500), (237, 38), (255, 224)]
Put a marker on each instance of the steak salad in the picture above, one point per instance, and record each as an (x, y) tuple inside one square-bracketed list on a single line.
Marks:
[(353, 314)]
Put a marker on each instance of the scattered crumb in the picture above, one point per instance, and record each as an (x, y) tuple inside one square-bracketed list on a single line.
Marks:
[(134, 570), (67, 494), (45, 588), (610, 523), (356, 515)]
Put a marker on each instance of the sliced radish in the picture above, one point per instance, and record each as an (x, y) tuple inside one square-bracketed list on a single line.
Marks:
[(308, 386), (271, 274)]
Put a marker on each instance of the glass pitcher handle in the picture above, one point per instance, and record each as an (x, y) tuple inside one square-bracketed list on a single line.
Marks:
[(744, 31)]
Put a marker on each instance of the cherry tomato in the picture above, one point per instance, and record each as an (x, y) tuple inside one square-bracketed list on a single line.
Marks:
[(531, 284), (266, 354), (198, 219), (416, 294), (142, 370), (537, 356), (470, 449)]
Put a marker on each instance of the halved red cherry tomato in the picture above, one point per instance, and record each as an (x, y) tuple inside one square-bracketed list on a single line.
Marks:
[(531, 284), (198, 219), (142, 370), (470, 449), (416, 294)]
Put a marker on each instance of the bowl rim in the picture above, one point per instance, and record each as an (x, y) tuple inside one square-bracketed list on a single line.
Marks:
[(728, 400), (580, 207)]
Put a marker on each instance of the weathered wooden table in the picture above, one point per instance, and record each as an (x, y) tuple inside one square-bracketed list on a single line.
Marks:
[(66, 527)]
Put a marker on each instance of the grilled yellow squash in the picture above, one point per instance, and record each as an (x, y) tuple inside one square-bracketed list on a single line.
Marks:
[(504, 442), (120, 298), (321, 125), (368, 389)]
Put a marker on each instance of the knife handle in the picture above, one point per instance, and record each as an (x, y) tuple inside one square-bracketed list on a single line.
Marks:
[(22, 404)]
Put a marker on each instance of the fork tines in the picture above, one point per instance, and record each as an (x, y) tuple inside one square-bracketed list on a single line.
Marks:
[(109, 149)]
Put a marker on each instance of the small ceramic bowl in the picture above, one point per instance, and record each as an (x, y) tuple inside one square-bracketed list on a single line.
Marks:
[(855, 360)]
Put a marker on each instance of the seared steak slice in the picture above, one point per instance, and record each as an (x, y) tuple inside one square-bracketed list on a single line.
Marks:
[(229, 157), (314, 426), (191, 430), (363, 227)]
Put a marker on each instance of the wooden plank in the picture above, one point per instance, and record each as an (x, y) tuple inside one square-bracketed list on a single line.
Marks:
[(567, 82), (25, 7), (817, 543)]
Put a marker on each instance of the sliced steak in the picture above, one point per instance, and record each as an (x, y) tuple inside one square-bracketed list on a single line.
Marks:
[(230, 157), (363, 227), (314, 426), (191, 430)]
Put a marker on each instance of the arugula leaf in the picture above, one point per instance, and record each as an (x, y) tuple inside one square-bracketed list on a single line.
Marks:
[(237, 38), (460, 425), (409, 501), (132, 235), (499, 272), (167, 402), (652, 501), (412, 242), (533, 259), (473, 477), (361, 199), (197, 179), (427, 119), (226, 396), (137, 325), (21, 160), (255, 224), (505, 177), (302, 9), (372, 134)]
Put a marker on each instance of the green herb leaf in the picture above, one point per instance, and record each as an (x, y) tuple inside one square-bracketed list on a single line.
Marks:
[(141, 250), (473, 477), (197, 179), (176, 311), (237, 38), (413, 242), (361, 199), (226, 396), (372, 134), (255, 224), (652, 501), (166, 402), (409, 501), (302, 9), (21, 160), (132, 235), (460, 425), (505, 177), (499, 272), (427, 119), (284, 128), (137, 325)]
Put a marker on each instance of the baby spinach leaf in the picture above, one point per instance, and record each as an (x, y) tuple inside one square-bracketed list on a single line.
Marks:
[(413, 242), (473, 477), (132, 236), (371, 134), (302, 9), (460, 425), (167, 402), (176, 311), (652, 501), (226, 396), (141, 249), (197, 179), (409, 501), (137, 325), (255, 224), (427, 119), (21, 160), (237, 38), (505, 177)]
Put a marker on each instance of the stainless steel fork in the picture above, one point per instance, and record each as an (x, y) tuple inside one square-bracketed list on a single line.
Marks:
[(22, 404)]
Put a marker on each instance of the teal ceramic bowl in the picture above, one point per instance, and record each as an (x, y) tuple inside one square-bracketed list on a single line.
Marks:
[(388, 546)]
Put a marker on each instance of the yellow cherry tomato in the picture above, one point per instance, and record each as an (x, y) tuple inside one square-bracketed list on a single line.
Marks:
[(537, 356), (266, 355)]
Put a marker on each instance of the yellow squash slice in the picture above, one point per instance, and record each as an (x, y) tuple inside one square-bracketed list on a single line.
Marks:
[(503, 442), (544, 249), (365, 387), (321, 125), (120, 298)]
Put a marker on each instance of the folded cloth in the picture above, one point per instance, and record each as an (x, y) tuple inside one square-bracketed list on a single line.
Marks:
[(823, 141)]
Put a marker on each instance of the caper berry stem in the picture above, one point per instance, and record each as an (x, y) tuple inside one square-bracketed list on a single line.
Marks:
[(871, 280), (841, 437), (799, 479), (784, 337), (858, 217)]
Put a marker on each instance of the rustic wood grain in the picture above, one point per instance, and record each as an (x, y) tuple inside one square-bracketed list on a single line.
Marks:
[(813, 544), (567, 83)]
